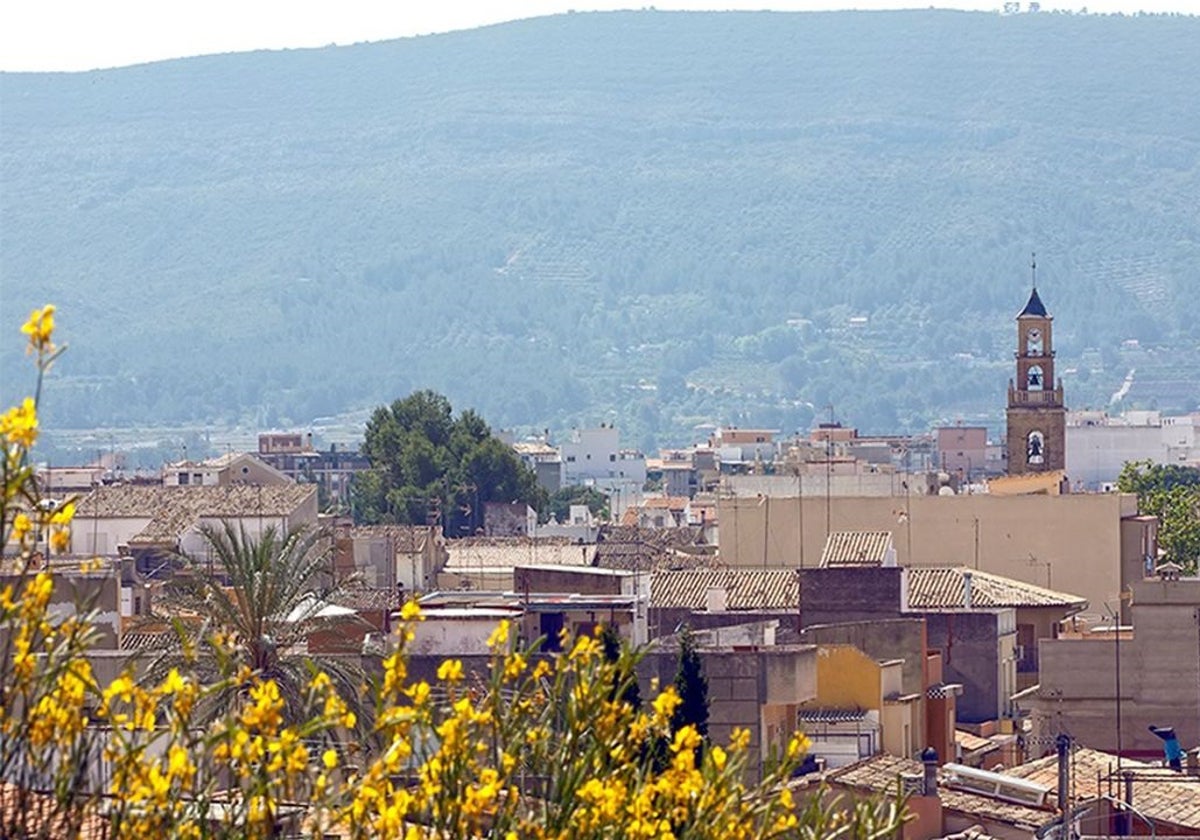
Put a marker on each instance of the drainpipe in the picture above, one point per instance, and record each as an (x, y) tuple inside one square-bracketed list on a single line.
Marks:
[(967, 590)]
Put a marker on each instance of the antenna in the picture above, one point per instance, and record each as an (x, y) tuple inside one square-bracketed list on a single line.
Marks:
[(1033, 267)]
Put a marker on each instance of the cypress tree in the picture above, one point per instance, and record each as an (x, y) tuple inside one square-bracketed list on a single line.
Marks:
[(692, 687)]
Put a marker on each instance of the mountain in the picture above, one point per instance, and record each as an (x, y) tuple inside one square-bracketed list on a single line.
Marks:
[(655, 218)]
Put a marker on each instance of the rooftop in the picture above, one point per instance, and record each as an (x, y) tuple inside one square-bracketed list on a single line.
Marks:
[(857, 548), (506, 553), (880, 774), (1158, 792), (945, 588), (171, 511), (1034, 308), (746, 589)]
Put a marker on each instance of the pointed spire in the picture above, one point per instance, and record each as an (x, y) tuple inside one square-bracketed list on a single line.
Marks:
[(1034, 307)]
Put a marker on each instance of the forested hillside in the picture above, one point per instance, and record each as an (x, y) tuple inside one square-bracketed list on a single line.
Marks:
[(652, 218)]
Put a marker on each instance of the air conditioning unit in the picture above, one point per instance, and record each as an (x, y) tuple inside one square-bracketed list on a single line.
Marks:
[(997, 785)]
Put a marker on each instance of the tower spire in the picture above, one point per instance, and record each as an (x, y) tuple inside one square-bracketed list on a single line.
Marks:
[(1033, 268)]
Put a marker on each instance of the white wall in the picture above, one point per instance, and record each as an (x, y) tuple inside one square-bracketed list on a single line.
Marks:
[(1096, 454), (101, 536)]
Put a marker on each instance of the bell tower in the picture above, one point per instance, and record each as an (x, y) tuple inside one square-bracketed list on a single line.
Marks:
[(1037, 418)]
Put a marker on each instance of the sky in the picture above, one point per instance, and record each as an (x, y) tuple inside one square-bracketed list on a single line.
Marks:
[(88, 34)]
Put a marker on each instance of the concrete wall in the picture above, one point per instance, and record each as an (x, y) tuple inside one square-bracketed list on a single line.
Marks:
[(977, 651), (1159, 675), (897, 638), (459, 636), (665, 621), (847, 679), (840, 479), (101, 535), (1071, 543), (77, 593), (585, 581), (756, 690), (831, 596)]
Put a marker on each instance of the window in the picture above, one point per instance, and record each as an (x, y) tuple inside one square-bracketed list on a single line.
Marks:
[(1035, 448), (612, 457), (183, 478), (1036, 378)]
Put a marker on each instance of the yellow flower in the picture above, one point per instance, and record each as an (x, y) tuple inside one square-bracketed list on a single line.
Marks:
[(19, 424), (63, 515), (40, 329), (499, 636), (410, 610), (329, 758), (450, 671), (718, 757), (21, 526), (59, 540), (665, 703)]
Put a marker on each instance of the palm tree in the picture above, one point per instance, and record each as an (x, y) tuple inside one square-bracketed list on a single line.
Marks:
[(251, 604)]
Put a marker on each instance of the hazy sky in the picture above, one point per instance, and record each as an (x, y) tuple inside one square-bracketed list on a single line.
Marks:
[(85, 34)]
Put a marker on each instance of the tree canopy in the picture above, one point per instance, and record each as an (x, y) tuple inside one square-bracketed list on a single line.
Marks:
[(1172, 493), (429, 466)]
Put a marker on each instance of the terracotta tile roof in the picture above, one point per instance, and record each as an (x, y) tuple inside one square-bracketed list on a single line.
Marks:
[(362, 598), (154, 641), (856, 548), (406, 538), (747, 589), (942, 588), (830, 715), (32, 814), (644, 549), (1158, 792), (878, 774), (971, 742), (173, 510)]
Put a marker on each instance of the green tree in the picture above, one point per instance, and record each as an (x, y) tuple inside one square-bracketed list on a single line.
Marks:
[(255, 601), (425, 461), (692, 687), (1172, 493), (624, 676), (560, 502)]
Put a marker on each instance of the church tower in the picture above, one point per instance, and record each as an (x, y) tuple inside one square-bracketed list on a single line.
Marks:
[(1037, 418)]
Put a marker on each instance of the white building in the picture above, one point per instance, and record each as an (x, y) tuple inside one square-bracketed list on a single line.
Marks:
[(594, 458), (1098, 445), (153, 523)]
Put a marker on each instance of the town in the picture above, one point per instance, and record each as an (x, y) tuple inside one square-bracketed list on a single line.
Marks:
[(1001, 630)]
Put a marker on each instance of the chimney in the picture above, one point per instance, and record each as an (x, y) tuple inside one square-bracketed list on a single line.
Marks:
[(929, 758), (925, 804), (716, 599), (968, 590), (1193, 762), (1062, 745)]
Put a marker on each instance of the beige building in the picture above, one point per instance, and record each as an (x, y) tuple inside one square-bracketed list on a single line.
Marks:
[(1090, 545), (151, 523), (222, 471), (1155, 664)]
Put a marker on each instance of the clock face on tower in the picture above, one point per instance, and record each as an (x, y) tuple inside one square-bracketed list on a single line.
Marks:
[(1033, 342)]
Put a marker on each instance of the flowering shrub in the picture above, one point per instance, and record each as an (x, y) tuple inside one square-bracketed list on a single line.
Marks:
[(539, 747)]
